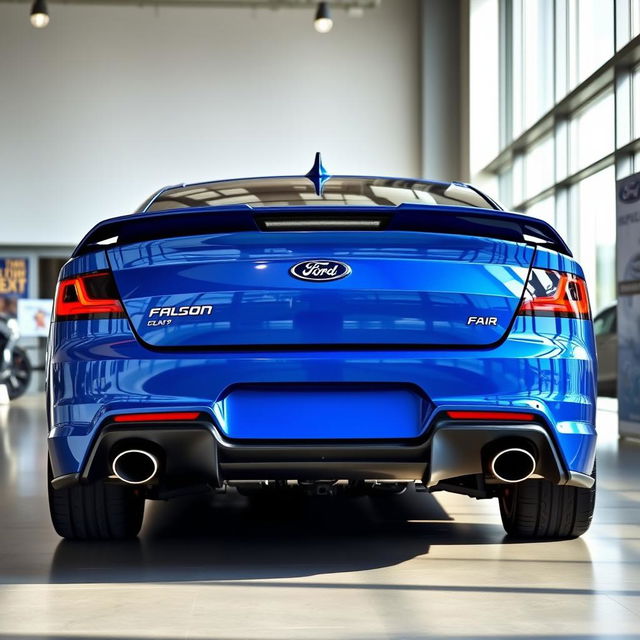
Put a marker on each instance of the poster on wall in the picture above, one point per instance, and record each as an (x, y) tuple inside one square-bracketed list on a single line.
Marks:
[(628, 270), (34, 317), (14, 281)]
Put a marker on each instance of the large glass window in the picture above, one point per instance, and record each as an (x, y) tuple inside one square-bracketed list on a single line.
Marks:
[(635, 100), (627, 21), (539, 171), (484, 111), (544, 209), (518, 179), (624, 109), (566, 176), (562, 149), (561, 68), (592, 132), (537, 61), (531, 65), (505, 187), (592, 20), (596, 235)]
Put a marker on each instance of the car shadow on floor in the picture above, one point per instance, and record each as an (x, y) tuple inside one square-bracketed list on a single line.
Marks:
[(230, 537)]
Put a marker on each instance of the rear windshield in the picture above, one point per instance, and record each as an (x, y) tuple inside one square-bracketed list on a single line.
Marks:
[(338, 191)]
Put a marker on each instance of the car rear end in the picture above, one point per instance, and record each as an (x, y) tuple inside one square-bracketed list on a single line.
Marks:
[(321, 347)]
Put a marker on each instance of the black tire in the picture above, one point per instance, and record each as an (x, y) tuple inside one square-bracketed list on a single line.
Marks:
[(19, 375), (538, 509), (97, 511)]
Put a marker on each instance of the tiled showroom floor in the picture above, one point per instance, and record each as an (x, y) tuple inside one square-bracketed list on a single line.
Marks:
[(411, 566)]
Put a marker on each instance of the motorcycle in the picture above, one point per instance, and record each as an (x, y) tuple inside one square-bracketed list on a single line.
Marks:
[(15, 366)]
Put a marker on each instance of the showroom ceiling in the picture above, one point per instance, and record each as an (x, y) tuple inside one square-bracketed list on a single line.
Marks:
[(266, 4)]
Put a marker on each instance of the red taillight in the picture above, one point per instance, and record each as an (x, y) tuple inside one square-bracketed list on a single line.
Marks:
[(90, 295), (511, 416), (157, 417), (555, 294)]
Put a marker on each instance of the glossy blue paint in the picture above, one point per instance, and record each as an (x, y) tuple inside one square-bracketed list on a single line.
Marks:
[(259, 412), (87, 263), (377, 355), (99, 369), (404, 288)]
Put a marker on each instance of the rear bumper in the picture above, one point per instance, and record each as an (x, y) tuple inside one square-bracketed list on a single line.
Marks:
[(99, 370), (197, 453)]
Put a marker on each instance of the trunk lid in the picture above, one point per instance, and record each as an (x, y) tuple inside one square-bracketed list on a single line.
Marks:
[(402, 289)]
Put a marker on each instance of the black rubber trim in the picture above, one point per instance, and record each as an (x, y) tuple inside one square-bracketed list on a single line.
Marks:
[(199, 450), (190, 448), (457, 446)]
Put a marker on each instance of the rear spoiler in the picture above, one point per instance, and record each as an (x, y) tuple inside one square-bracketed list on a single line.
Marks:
[(486, 223)]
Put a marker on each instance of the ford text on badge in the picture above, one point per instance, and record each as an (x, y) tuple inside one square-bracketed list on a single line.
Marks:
[(320, 270)]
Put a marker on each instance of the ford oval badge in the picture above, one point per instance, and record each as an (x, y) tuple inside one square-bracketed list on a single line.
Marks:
[(320, 270)]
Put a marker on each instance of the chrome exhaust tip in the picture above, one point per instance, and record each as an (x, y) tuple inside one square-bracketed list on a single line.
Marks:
[(135, 466), (513, 465)]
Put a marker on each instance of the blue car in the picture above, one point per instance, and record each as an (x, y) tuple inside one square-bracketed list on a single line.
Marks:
[(321, 334)]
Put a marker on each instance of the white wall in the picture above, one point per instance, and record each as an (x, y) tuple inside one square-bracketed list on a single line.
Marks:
[(108, 104)]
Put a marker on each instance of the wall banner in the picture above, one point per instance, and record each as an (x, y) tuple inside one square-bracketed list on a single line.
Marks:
[(628, 273), (14, 283)]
